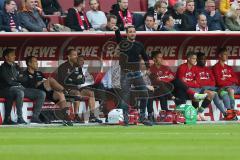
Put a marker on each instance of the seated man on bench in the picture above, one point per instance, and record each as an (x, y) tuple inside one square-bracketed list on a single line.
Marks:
[(32, 78), (70, 75)]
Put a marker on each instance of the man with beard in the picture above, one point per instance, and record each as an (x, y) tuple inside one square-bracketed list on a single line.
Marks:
[(206, 81), (132, 52), (96, 17), (124, 16), (31, 19)]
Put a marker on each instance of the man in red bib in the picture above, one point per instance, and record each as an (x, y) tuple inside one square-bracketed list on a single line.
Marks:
[(124, 16)]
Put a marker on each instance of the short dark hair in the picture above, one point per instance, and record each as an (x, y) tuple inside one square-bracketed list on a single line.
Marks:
[(6, 2), (191, 53), (166, 18), (222, 50), (110, 16), (128, 27), (29, 59), (148, 15), (78, 2), (69, 51), (200, 54), (7, 51), (155, 53)]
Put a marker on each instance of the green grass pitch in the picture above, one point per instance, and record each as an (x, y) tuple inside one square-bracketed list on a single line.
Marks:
[(183, 142)]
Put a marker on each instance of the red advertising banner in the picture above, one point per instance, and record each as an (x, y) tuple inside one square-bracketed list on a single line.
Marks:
[(100, 45)]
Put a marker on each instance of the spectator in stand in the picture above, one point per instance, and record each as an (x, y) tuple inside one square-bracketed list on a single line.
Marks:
[(54, 91), (158, 11), (149, 24), (168, 23), (190, 17), (214, 18), (232, 19), (187, 74), (70, 75), (9, 18), (224, 6), (124, 16), (13, 90), (1, 4), (178, 15), (202, 23), (76, 17), (31, 19), (111, 23), (206, 80), (51, 7), (226, 79), (37, 3), (96, 17), (200, 5)]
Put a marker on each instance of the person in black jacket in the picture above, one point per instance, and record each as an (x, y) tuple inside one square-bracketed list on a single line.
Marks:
[(9, 18), (190, 17), (51, 7), (149, 24), (33, 78), (168, 23), (13, 90), (158, 11), (131, 53), (76, 18)]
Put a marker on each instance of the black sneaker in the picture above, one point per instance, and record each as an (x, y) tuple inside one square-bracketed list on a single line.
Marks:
[(36, 120), (77, 119), (94, 120), (145, 121), (9, 122), (151, 119), (67, 123), (21, 121)]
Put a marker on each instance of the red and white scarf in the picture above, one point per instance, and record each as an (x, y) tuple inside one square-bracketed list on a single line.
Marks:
[(81, 19), (126, 20)]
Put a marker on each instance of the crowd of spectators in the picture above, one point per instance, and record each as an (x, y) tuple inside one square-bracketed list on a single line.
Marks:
[(30, 15)]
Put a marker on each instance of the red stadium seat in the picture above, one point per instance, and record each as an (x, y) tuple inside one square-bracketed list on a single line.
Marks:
[(106, 7), (66, 4), (144, 5), (134, 6)]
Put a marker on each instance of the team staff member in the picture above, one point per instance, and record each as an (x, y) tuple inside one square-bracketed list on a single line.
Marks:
[(132, 52), (54, 91), (13, 90), (70, 75)]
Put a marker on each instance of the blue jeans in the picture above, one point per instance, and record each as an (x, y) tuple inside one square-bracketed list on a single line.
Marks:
[(17, 94), (128, 80)]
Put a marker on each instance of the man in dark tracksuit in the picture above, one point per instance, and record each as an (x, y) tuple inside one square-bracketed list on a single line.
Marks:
[(130, 56), (12, 89), (33, 78)]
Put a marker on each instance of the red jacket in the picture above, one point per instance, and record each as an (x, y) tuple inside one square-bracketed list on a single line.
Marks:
[(188, 75), (205, 77), (163, 73), (224, 75)]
